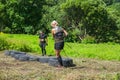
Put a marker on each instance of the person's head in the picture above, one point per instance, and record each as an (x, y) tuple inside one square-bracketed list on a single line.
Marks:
[(41, 32), (54, 23)]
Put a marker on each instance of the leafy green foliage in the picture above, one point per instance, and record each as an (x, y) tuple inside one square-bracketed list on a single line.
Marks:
[(3, 44), (114, 11), (91, 17), (13, 44), (97, 18), (88, 39), (81, 18), (110, 2), (23, 16), (52, 11)]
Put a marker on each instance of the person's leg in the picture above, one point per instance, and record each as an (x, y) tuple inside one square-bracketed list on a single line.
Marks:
[(58, 47), (44, 50), (59, 57), (41, 48)]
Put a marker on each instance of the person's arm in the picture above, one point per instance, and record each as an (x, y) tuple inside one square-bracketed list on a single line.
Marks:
[(65, 32), (52, 32), (46, 40)]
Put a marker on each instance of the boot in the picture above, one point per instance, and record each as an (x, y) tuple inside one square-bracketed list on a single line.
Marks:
[(60, 60)]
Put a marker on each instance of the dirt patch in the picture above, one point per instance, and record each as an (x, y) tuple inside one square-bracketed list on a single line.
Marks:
[(85, 69)]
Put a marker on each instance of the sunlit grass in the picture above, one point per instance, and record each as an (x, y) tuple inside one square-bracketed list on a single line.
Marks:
[(103, 51)]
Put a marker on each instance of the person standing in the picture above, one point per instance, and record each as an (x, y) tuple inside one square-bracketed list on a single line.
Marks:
[(58, 34), (43, 42)]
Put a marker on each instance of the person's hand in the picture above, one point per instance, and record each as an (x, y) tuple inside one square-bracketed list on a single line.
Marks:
[(66, 34)]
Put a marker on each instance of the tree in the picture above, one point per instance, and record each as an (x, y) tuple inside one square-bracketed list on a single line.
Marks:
[(23, 16), (2, 15), (109, 2), (51, 11), (114, 11), (92, 18)]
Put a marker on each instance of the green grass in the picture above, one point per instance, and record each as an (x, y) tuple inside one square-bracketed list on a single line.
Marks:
[(102, 51)]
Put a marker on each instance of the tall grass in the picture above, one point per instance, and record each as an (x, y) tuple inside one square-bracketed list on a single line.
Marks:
[(30, 43)]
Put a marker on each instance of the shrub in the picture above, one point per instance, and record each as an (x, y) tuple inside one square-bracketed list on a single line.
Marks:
[(3, 44), (7, 30), (88, 39), (25, 48), (20, 46), (13, 44)]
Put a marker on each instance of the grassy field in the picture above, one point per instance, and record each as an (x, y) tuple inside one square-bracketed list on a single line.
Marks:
[(93, 61), (104, 51), (85, 69)]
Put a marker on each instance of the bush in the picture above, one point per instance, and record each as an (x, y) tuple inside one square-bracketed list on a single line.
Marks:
[(25, 48), (3, 44), (20, 47), (88, 39), (6, 43), (7, 30)]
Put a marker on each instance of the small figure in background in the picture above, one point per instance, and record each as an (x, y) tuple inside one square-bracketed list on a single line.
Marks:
[(43, 42)]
